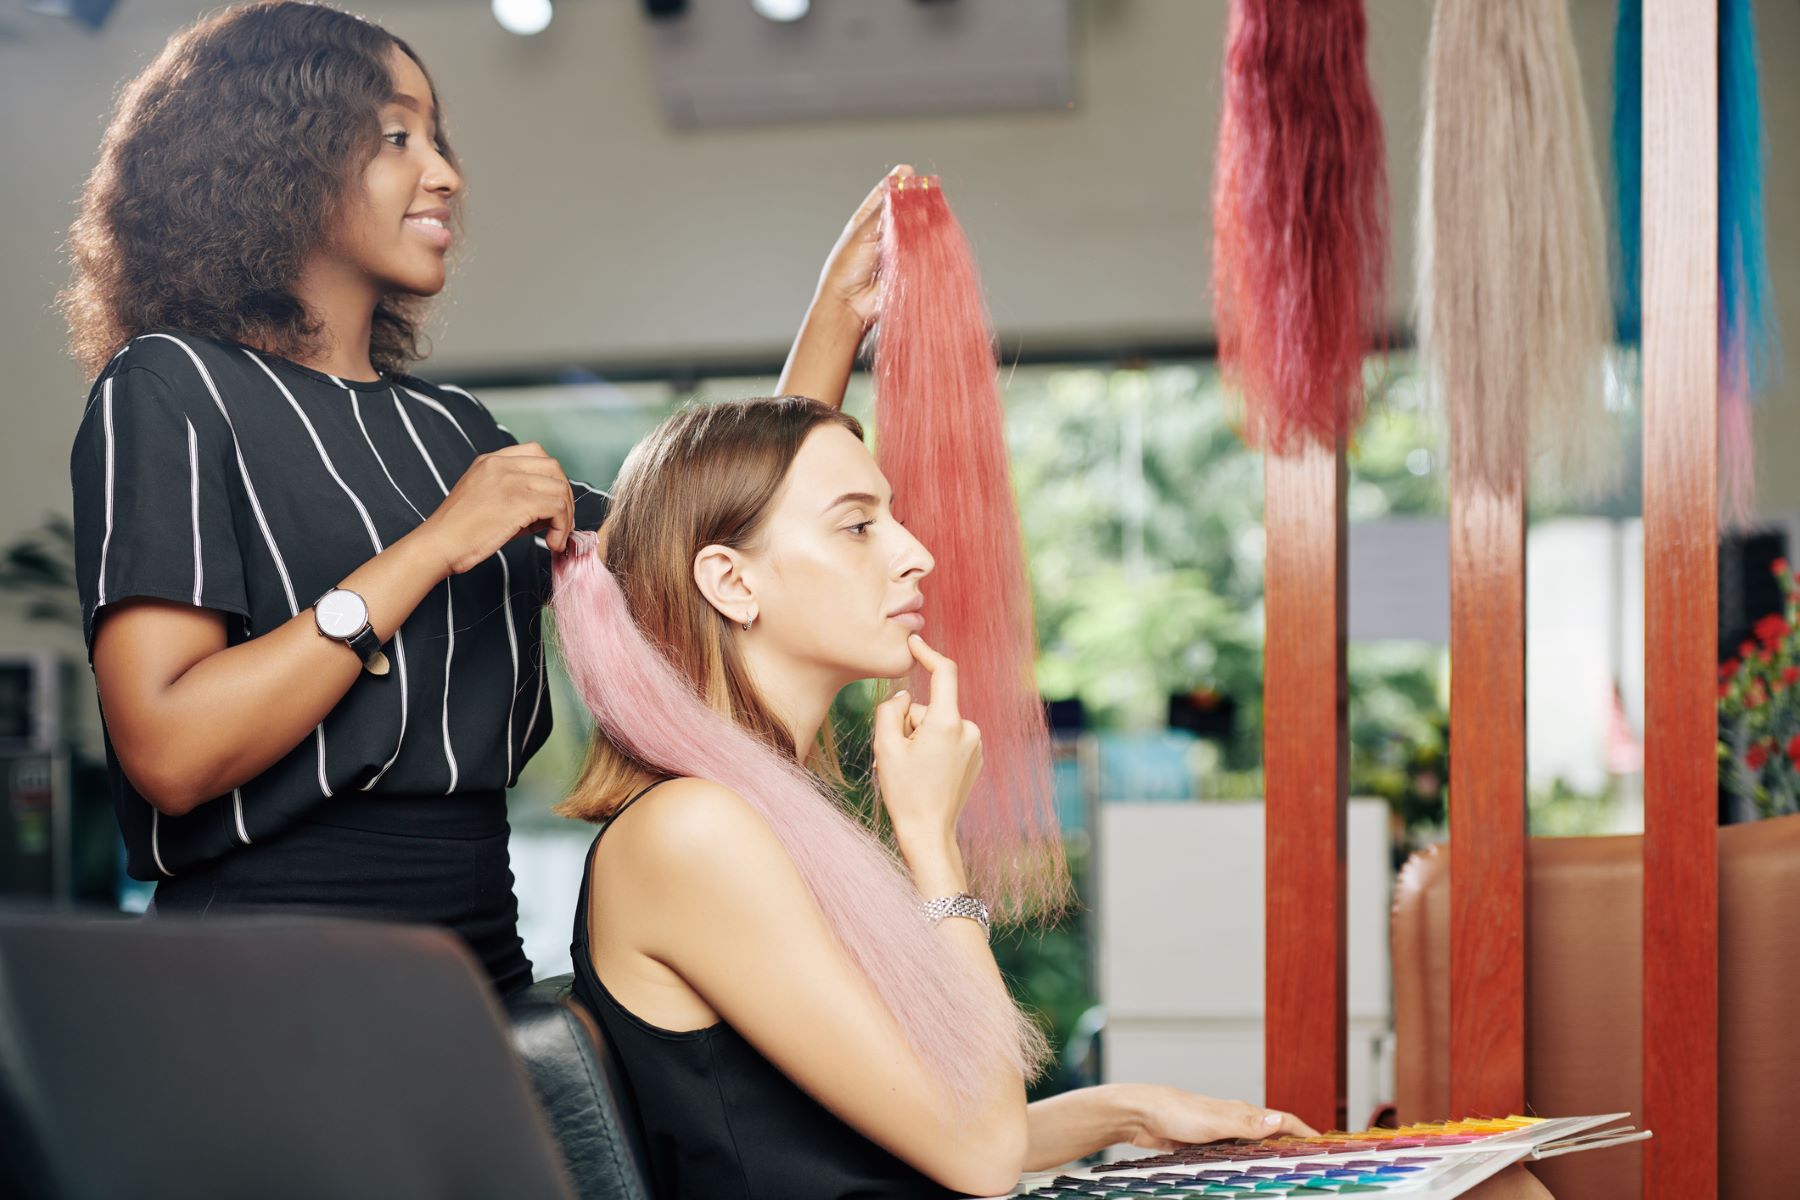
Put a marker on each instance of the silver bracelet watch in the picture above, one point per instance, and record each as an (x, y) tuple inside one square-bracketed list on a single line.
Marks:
[(960, 905)]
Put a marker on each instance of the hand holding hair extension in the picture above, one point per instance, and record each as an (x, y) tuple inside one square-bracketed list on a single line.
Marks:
[(1300, 234), (961, 1028), (941, 443), (1513, 317)]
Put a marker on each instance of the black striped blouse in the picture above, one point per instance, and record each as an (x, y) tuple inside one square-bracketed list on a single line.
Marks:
[(213, 474)]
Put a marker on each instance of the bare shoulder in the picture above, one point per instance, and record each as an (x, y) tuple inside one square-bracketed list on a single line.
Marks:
[(690, 831)]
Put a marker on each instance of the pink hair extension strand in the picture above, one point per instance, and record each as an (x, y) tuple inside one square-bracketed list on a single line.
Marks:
[(962, 1028), (941, 443)]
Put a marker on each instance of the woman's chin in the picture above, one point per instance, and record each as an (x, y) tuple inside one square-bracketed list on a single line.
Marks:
[(897, 666), (423, 278)]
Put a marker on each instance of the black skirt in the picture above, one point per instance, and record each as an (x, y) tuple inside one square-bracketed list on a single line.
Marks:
[(435, 860)]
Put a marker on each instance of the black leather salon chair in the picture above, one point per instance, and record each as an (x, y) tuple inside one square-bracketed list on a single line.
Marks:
[(582, 1091), (259, 1057)]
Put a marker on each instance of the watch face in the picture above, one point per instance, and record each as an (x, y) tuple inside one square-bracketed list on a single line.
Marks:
[(341, 614)]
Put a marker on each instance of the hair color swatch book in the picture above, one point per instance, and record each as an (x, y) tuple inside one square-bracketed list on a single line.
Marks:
[(1420, 1162)]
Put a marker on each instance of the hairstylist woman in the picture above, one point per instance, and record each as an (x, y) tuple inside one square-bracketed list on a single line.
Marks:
[(310, 581)]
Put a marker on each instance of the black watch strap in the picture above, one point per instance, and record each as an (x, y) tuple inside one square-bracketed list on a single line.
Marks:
[(368, 648)]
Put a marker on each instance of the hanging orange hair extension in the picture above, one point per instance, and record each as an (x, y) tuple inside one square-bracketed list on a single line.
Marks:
[(941, 443), (1300, 238)]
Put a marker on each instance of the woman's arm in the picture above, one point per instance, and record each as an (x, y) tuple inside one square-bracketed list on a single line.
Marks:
[(824, 352), (843, 307), (191, 718), (1075, 1124), (713, 894)]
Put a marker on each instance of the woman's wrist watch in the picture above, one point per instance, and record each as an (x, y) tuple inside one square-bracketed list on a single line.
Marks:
[(960, 905), (342, 616)]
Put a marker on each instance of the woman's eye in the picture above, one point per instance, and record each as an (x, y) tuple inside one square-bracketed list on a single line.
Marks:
[(398, 133), (860, 528)]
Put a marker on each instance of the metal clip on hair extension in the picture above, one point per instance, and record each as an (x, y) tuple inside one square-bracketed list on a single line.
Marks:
[(921, 183)]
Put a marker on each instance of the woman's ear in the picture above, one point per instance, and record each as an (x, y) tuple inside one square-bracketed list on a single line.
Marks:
[(719, 574)]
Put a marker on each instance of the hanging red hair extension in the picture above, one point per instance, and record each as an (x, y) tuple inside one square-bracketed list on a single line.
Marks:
[(941, 443), (1300, 238)]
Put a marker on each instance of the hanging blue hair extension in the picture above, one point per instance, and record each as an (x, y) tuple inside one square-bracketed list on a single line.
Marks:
[(1747, 303), (1749, 343), (1627, 150), (1749, 348)]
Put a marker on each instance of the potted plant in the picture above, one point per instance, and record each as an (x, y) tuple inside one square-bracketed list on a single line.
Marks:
[(1759, 710)]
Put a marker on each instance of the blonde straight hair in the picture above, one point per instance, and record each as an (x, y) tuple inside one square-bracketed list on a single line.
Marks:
[(1514, 318)]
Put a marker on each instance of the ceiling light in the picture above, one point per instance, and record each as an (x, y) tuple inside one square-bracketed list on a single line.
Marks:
[(782, 10), (523, 17)]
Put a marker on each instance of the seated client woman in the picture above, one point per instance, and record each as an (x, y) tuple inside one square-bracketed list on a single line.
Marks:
[(793, 1025)]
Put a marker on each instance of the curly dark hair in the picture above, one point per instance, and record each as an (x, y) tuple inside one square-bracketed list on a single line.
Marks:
[(227, 164)]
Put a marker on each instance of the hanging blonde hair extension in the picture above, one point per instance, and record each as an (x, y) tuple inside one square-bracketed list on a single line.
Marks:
[(1513, 313)]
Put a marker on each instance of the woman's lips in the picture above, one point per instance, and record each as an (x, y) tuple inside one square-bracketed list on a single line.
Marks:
[(914, 621), (438, 235)]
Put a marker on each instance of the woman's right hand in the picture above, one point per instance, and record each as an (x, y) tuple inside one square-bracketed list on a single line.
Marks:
[(513, 490), (926, 757)]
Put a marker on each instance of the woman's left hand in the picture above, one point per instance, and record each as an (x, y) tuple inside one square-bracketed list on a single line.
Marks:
[(1166, 1117), (848, 277)]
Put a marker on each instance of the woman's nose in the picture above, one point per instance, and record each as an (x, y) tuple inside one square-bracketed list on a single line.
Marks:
[(915, 559), (443, 179)]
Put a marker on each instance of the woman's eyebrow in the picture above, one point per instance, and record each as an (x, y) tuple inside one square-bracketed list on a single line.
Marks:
[(406, 100), (859, 497)]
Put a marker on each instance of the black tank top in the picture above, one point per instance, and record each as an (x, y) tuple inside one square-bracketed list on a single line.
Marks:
[(720, 1121)]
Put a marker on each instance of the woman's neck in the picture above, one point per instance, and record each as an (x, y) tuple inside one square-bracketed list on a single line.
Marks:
[(342, 299), (798, 695)]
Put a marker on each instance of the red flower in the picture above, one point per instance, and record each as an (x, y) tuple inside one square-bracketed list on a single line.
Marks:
[(1746, 649), (1790, 674), (1793, 749), (1771, 629), (1758, 695), (1724, 690), (1779, 567), (1729, 668), (1756, 756)]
